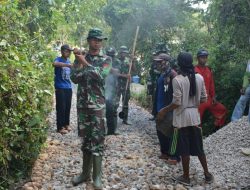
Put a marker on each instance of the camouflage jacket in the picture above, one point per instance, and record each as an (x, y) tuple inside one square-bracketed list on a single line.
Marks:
[(154, 74), (116, 63), (124, 69), (102, 61), (90, 80), (111, 81)]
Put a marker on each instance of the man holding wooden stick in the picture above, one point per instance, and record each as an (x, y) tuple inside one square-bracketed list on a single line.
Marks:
[(123, 77), (124, 83)]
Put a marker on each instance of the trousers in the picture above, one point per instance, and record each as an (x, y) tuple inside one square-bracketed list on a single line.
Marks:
[(63, 106), (241, 105)]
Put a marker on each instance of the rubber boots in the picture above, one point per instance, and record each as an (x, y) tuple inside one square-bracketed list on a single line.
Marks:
[(115, 126), (110, 125), (86, 169), (97, 172), (110, 118), (125, 119)]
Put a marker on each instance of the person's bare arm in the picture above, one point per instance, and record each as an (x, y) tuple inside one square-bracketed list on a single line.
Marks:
[(203, 93), (124, 75), (163, 111), (133, 66), (60, 64)]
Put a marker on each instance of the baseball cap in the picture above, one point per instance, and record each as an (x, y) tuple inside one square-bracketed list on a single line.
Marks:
[(202, 52), (66, 47), (162, 56)]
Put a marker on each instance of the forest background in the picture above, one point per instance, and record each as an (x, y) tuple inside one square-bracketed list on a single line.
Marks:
[(31, 28)]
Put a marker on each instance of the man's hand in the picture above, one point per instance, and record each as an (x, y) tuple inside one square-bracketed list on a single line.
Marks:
[(160, 115), (76, 51), (80, 58), (128, 76), (242, 91), (163, 111), (69, 65)]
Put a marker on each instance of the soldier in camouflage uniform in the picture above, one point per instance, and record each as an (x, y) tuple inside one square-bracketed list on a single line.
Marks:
[(89, 72), (122, 80), (111, 85)]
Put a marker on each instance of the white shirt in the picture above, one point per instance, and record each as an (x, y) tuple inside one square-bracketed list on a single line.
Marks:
[(187, 113)]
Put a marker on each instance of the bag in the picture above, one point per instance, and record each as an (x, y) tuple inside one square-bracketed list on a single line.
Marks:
[(165, 126)]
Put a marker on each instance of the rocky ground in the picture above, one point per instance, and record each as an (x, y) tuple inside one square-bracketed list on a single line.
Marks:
[(131, 159)]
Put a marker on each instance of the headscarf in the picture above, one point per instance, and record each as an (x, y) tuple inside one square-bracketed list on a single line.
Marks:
[(185, 62)]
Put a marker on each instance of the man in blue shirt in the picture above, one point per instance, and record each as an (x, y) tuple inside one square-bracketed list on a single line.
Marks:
[(163, 97), (63, 89)]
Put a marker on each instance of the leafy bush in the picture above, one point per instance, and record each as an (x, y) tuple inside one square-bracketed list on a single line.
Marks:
[(142, 99), (26, 79), (24, 98)]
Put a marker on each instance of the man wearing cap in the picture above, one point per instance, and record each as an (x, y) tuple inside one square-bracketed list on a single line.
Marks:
[(63, 89), (163, 97), (154, 75), (217, 109), (124, 76), (89, 73)]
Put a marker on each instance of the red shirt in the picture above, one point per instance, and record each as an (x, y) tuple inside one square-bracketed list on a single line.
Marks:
[(208, 79)]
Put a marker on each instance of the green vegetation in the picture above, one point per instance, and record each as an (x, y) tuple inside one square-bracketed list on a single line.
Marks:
[(222, 29), (30, 27), (141, 98), (25, 90)]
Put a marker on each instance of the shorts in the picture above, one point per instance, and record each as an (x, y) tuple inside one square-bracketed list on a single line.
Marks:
[(187, 141)]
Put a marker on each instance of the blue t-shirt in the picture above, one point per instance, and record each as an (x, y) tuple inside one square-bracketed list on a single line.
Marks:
[(161, 97), (62, 75)]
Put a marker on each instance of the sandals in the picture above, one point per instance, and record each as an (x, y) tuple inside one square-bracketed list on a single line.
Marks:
[(164, 157), (182, 180), (171, 161), (62, 131), (67, 127), (209, 178)]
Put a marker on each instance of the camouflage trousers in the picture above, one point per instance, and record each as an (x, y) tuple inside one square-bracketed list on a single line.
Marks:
[(91, 127), (111, 116), (121, 92)]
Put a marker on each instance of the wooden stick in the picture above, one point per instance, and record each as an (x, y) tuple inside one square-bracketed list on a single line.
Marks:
[(133, 53), (121, 114)]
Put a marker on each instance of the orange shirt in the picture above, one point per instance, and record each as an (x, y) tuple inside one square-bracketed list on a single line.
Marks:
[(207, 75)]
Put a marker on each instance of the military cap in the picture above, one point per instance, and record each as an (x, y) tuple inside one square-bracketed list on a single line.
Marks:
[(123, 49), (111, 51), (202, 52), (161, 48), (96, 33)]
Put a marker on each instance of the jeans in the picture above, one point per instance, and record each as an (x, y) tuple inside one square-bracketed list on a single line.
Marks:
[(241, 105), (63, 105)]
